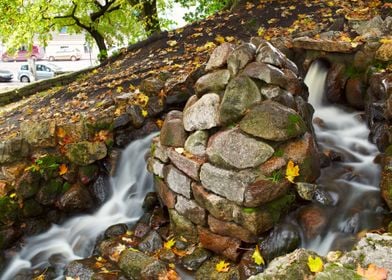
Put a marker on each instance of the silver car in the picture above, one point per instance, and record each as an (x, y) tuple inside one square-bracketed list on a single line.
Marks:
[(43, 72), (65, 54)]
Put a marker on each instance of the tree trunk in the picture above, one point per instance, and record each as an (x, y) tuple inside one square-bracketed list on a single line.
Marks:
[(150, 16), (100, 40)]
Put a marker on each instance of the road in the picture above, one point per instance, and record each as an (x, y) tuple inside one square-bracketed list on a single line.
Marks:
[(64, 65)]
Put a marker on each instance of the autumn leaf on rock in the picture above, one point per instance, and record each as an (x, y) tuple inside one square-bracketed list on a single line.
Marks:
[(63, 169), (169, 244), (171, 43), (315, 264), (292, 171), (257, 257), (60, 132), (373, 272), (220, 39), (222, 266)]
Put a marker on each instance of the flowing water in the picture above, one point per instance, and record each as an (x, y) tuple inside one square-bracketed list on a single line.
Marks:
[(352, 183), (75, 238)]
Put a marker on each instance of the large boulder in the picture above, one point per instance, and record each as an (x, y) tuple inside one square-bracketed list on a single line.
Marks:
[(196, 143), (177, 181), (166, 195), (219, 56), (273, 121), (212, 82), (77, 198), (173, 133), (241, 56), (191, 210), (85, 152), (324, 45), (265, 190), (234, 149), (240, 95), (39, 134), (182, 227), (384, 52), (13, 149), (230, 229), (203, 114), (335, 82)]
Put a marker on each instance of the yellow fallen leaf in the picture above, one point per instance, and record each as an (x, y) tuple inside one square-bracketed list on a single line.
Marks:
[(222, 266), (315, 264), (386, 40), (229, 38), (144, 113), (292, 171), (257, 257), (171, 43), (169, 244), (60, 132), (373, 272), (63, 169), (261, 31), (220, 39)]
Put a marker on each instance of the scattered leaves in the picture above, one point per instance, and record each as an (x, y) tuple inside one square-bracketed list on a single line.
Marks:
[(292, 171), (220, 39), (257, 257), (373, 272), (315, 264), (222, 266), (169, 244), (172, 43)]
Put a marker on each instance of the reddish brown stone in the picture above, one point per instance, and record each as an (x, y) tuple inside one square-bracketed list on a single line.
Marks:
[(313, 220), (219, 244), (355, 93), (335, 82), (173, 133), (190, 166), (263, 191), (230, 229), (271, 165), (167, 196)]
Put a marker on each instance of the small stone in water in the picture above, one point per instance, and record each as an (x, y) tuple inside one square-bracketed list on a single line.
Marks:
[(323, 197)]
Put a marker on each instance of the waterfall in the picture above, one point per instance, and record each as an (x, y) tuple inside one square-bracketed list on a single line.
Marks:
[(353, 182), (75, 238)]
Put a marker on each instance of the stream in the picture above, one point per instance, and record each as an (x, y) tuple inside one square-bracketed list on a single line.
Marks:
[(351, 183)]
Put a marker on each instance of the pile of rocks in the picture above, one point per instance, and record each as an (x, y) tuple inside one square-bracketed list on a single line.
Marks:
[(220, 164)]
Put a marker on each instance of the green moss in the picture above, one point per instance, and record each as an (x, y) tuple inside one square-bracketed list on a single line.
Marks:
[(295, 124), (279, 153), (279, 206), (66, 187), (353, 72), (8, 209), (276, 176), (54, 186), (153, 149)]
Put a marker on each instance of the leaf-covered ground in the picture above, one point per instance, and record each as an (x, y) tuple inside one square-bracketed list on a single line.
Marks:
[(180, 52)]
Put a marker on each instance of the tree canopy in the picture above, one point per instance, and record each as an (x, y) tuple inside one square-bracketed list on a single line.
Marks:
[(104, 21)]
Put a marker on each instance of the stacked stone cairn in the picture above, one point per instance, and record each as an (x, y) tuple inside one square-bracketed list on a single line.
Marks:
[(220, 165)]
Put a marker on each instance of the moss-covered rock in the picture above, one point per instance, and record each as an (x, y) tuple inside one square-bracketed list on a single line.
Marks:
[(208, 271), (85, 153)]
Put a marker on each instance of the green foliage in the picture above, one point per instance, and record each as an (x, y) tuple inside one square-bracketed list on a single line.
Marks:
[(280, 205), (278, 153), (203, 8), (44, 165), (276, 176), (8, 209)]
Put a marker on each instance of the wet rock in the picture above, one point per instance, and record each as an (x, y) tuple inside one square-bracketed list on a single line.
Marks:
[(121, 121), (150, 201), (208, 271), (77, 198), (271, 91), (39, 134), (212, 82), (283, 239), (333, 271), (35, 226), (115, 230), (110, 163), (313, 220), (137, 265), (323, 197), (380, 135), (230, 229), (235, 149), (8, 235), (155, 167), (305, 190), (167, 196), (323, 45), (151, 243), (219, 244), (181, 226), (241, 56), (273, 75), (265, 190), (151, 86), (292, 266), (83, 269), (386, 184), (374, 25), (177, 181), (191, 210), (230, 184), (155, 106), (240, 95), (100, 190), (190, 166), (158, 151), (194, 260), (196, 143), (85, 153), (267, 53), (27, 185), (141, 229), (247, 266), (13, 149), (49, 192), (335, 82), (273, 165), (203, 114), (219, 56), (384, 52), (31, 208), (355, 93), (167, 256), (159, 218), (135, 115), (173, 133), (273, 121), (88, 173)]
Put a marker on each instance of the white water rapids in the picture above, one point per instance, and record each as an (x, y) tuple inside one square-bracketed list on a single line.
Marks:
[(353, 184), (75, 238)]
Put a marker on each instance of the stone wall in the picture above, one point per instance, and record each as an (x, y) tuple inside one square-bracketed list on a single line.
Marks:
[(220, 166)]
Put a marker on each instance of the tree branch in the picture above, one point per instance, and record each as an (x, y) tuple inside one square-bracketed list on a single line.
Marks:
[(104, 9)]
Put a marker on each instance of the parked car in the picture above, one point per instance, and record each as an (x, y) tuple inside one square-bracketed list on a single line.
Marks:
[(43, 72), (6, 76), (24, 53), (65, 53)]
